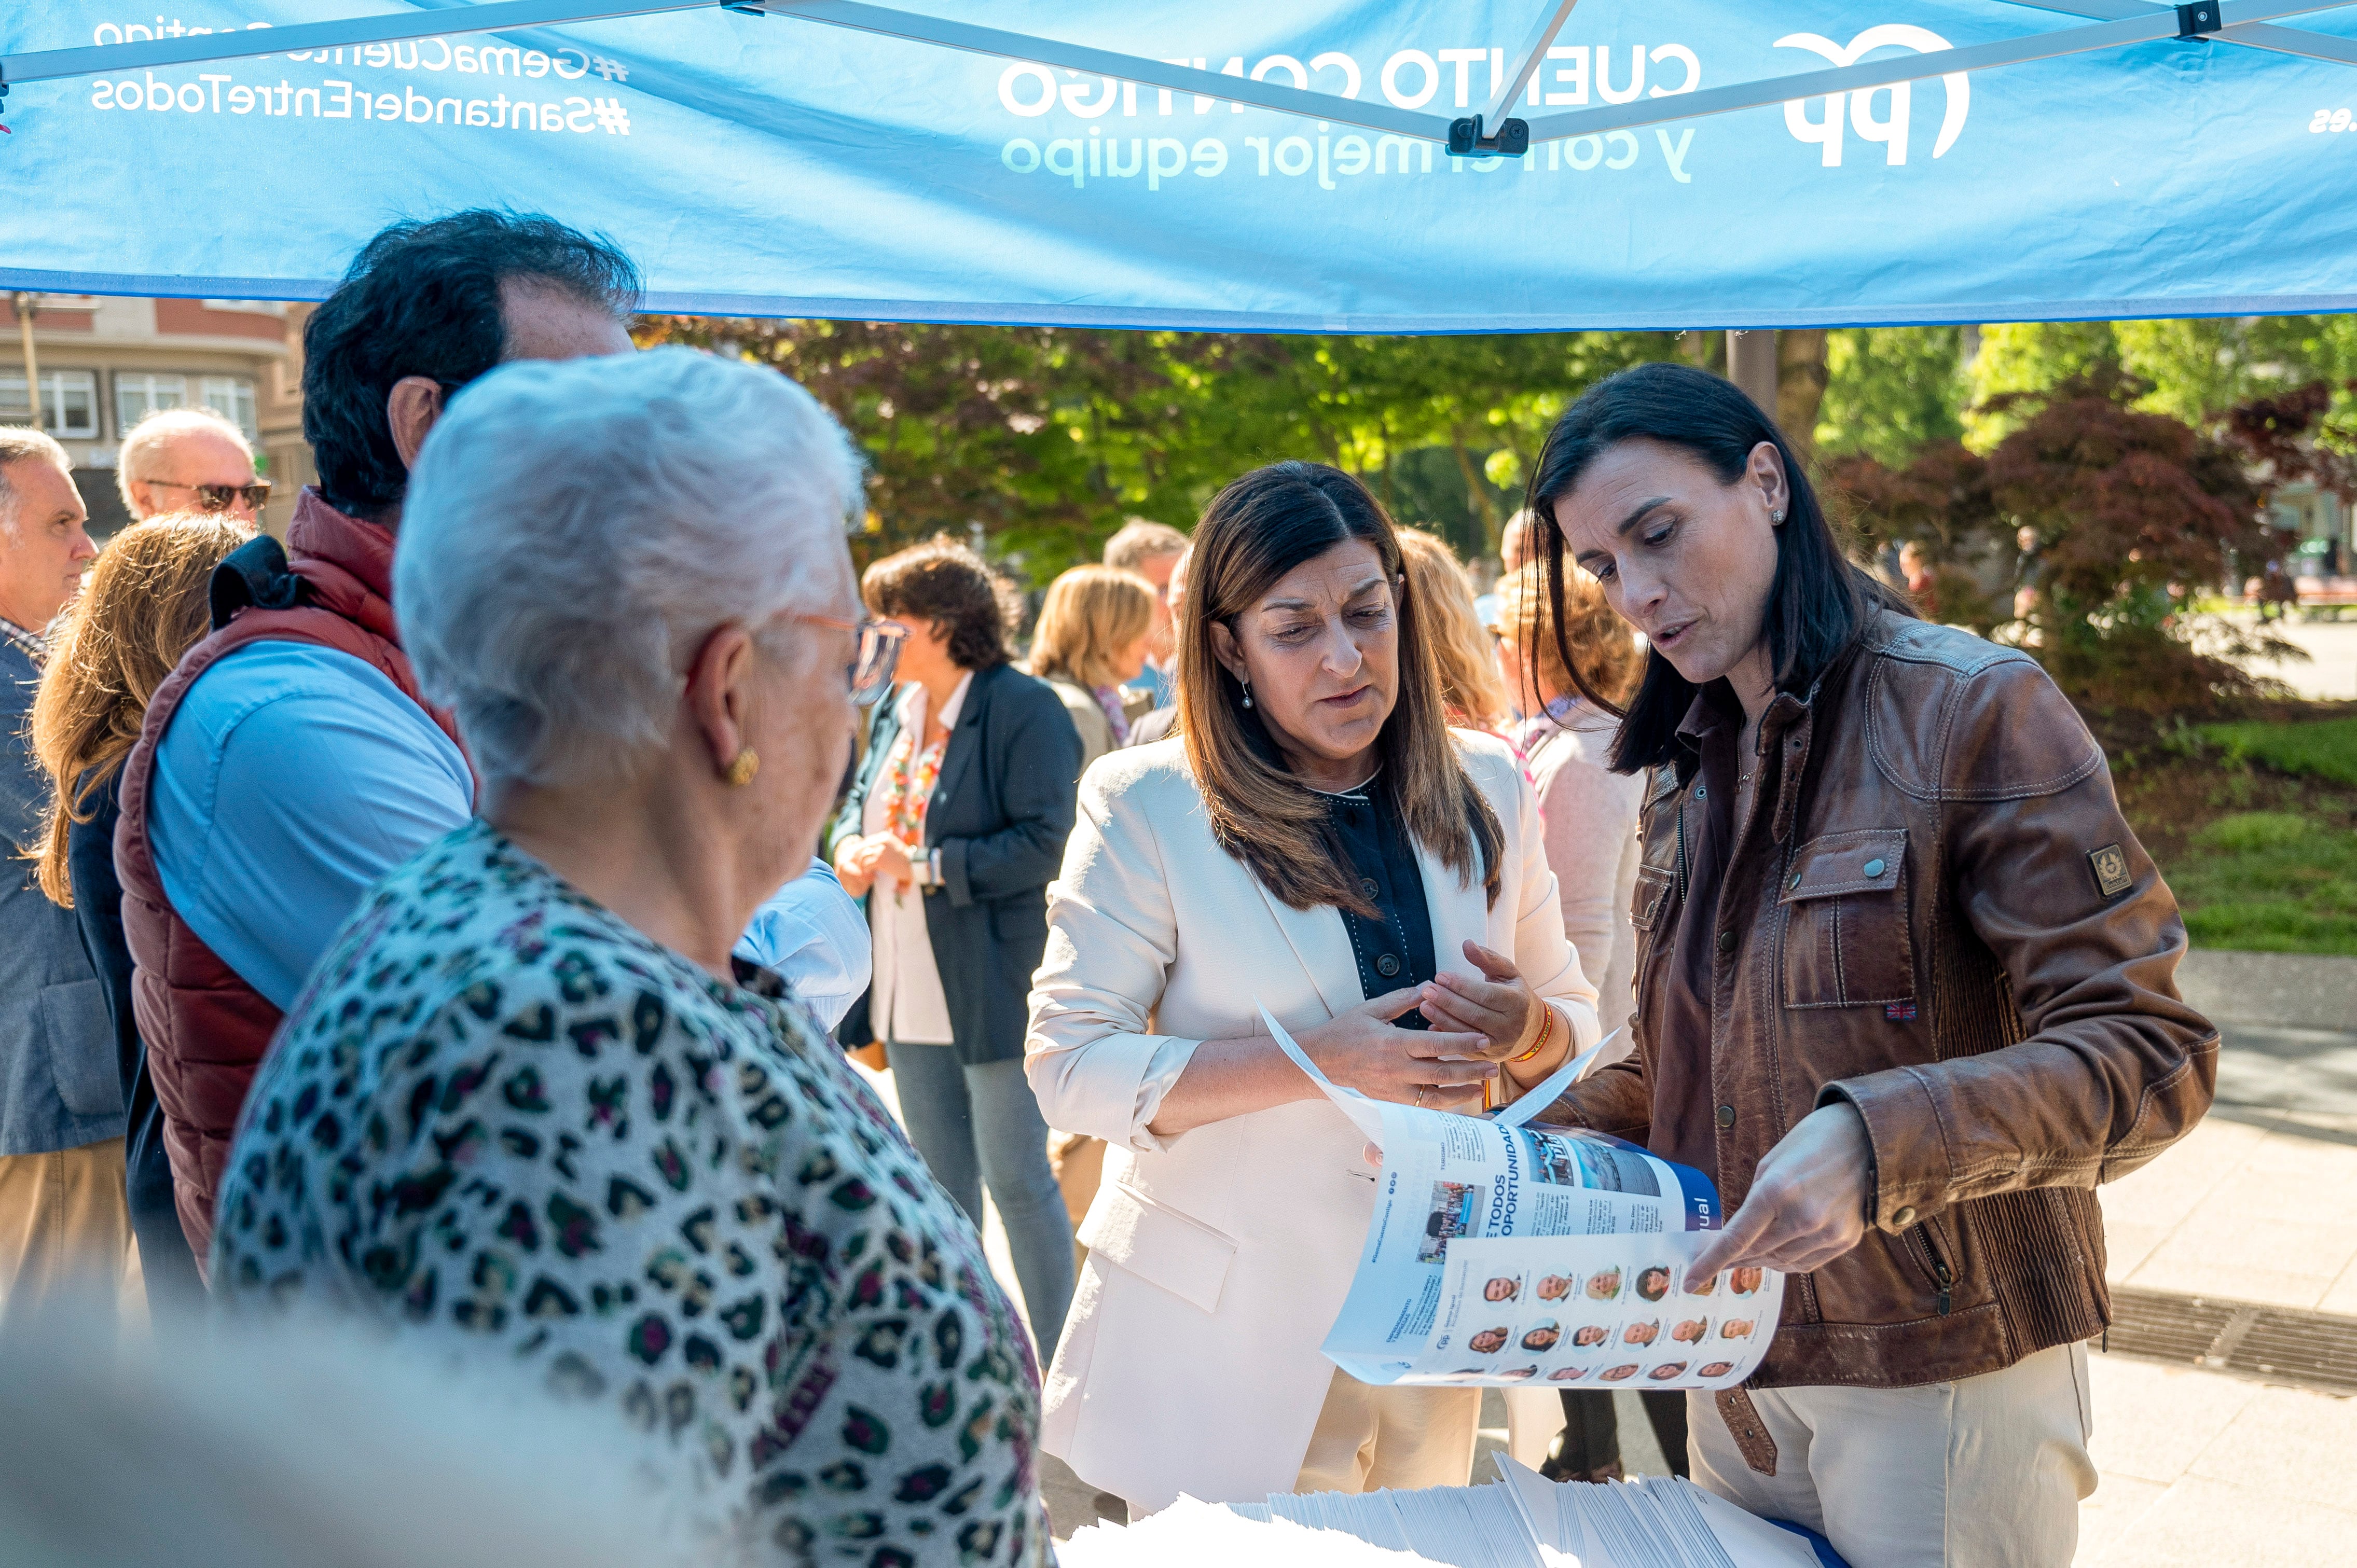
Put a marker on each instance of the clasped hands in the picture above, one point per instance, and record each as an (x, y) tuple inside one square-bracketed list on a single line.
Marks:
[(861, 863), (1477, 1026)]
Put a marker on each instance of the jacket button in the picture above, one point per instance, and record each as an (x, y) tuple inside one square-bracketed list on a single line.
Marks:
[(1367, 886), (1903, 1215), (1874, 868), (1727, 941), (1387, 966), (1726, 1115)]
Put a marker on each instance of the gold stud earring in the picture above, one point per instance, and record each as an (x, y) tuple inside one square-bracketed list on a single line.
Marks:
[(740, 771)]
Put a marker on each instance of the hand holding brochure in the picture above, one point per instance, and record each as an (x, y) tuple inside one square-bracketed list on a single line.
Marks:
[(1504, 1254)]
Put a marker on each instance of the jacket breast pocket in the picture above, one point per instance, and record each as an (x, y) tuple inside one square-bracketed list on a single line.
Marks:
[(1846, 942)]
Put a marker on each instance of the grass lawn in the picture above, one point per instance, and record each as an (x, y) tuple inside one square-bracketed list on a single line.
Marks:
[(2317, 748), (2255, 825)]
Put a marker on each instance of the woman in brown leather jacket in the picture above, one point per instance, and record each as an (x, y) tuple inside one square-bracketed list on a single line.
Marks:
[(1904, 985)]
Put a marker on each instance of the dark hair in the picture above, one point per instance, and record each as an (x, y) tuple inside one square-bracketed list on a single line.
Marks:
[(423, 299), (1818, 601), (941, 581), (1254, 532)]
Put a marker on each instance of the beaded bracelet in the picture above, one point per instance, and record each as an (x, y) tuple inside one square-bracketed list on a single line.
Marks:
[(1547, 1033)]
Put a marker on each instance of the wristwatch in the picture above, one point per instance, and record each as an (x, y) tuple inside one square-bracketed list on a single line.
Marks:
[(926, 871)]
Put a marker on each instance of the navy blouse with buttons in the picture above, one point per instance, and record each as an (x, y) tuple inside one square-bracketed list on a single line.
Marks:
[(1395, 951)]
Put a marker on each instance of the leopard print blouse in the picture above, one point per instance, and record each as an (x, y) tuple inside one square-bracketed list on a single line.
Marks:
[(502, 1118)]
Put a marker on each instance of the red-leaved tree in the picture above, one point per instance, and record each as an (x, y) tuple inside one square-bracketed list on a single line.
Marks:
[(2091, 526)]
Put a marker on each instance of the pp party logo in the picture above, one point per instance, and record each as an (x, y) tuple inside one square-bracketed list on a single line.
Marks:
[(1855, 111)]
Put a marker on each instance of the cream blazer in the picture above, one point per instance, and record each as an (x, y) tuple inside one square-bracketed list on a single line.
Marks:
[(1218, 1257)]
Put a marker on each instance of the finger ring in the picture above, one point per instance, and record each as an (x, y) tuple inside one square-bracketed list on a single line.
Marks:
[(1419, 1094)]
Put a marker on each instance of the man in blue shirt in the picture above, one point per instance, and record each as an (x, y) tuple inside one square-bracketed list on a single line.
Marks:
[(286, 774)]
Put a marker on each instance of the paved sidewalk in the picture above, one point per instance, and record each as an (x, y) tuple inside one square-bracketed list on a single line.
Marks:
[(2328, 672), (2202, 1470), (2257, 1204)]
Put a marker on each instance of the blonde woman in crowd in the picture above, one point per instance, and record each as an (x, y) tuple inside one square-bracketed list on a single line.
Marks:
[(1318, 841), (1095, 627), (1592, 839), (1472, 694), (1590, 810), (144, 606)]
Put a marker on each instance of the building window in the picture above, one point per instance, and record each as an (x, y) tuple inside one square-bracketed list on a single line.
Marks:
[(138, 394), (68, 403), (233, 398)]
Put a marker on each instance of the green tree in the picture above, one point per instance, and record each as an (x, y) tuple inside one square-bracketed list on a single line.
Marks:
[(1046, 438), (2129, 514), (1891, 391)]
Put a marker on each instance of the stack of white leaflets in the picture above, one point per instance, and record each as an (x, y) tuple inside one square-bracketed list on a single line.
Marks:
[(1530, 1522)]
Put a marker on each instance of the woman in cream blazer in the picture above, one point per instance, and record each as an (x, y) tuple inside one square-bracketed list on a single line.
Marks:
[(1220, 1255)]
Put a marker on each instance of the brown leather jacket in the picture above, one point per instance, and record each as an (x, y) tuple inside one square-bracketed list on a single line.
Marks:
[(1935, 912)]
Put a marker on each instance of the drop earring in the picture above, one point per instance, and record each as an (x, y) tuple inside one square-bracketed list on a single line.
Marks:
[(1247, 686)]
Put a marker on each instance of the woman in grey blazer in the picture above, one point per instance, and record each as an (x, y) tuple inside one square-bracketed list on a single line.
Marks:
[(955, 824)]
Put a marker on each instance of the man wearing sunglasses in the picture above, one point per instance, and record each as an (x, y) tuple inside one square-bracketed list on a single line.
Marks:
[(289, 762), (189, 460)]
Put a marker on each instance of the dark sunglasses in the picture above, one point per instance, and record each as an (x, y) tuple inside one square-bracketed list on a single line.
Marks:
[(219, 497)]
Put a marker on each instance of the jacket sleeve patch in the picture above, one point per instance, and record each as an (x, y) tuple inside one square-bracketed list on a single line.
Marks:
[(2110, 865)]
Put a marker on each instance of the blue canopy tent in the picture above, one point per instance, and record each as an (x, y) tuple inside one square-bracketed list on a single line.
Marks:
[(1318, 165)]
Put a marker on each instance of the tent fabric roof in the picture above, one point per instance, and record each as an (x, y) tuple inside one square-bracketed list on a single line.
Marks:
[(1220, 165)]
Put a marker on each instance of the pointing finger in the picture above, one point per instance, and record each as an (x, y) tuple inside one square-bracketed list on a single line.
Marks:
[(1732, 1243)]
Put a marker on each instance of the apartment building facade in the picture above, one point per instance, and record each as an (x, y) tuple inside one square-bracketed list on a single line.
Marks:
[(105, 362)]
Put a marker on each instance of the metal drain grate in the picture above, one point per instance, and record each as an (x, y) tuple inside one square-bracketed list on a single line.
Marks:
[(2280, 1344)]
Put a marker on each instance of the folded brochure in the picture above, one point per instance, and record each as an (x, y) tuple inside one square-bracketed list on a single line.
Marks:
[(1504, 1254)]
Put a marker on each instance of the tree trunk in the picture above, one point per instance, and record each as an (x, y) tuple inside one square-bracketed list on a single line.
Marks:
[(1476, 491), (1751, 365), (1801, 377), (1704, 351)]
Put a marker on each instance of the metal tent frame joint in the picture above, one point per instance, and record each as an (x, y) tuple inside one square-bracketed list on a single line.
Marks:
[(1510, 140), (2198, 20)]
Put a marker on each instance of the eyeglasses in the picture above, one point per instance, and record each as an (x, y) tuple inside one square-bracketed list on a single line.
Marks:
[(877, 656), (219, 497)]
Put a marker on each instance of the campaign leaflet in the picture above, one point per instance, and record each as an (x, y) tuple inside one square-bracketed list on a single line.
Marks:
[(1504, 1254)]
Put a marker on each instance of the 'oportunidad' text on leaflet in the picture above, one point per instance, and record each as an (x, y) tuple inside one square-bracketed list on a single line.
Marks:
[(1505, 1254)]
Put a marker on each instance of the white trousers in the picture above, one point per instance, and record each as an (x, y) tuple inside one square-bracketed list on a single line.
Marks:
[(1369, 1438), (1987, 1472)]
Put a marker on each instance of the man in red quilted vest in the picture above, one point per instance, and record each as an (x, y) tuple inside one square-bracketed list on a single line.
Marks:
[(288, 762)]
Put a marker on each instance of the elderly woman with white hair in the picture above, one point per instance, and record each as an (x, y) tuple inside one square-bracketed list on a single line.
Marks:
[(528, 1109)]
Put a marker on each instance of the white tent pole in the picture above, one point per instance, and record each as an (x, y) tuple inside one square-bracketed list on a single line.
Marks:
[(1377, 115), (496, 16), (2242, 22), (2153, 24), (2293, 41), (1534, 50)]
